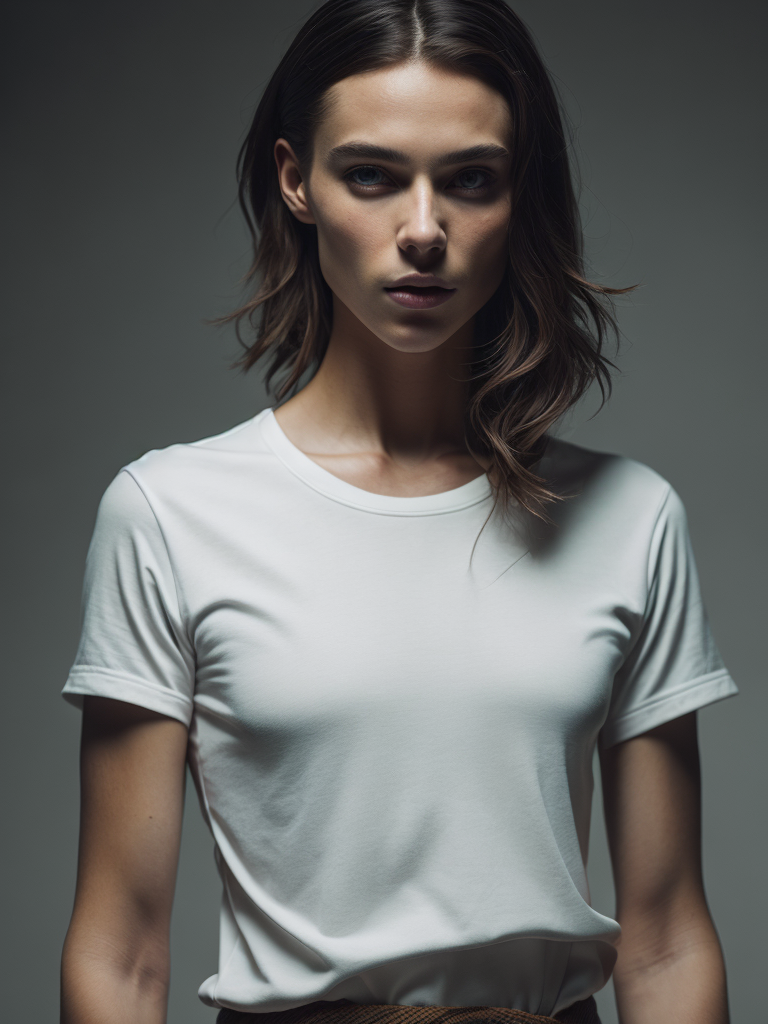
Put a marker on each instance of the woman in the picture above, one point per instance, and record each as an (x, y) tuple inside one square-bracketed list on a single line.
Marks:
[(388, 620)]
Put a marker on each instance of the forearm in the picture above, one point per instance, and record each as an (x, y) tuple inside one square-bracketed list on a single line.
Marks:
[(100, 985), (685, 986)]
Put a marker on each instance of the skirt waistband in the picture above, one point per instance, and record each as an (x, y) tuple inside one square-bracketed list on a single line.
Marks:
[(342, 1011)]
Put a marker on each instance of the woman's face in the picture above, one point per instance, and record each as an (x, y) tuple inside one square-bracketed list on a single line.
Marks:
[(394, 190)]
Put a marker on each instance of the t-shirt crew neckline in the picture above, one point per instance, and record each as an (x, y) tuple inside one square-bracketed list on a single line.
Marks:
[(332, 486)]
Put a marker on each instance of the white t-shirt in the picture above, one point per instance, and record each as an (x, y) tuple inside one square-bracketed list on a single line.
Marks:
[(392, 746)]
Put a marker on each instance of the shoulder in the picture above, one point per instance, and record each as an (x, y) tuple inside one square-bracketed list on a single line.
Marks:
[(589, 470), (181, 477), (194, 466), (606, 488)]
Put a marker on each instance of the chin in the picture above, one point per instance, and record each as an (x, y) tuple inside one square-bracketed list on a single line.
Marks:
[(414, 339)]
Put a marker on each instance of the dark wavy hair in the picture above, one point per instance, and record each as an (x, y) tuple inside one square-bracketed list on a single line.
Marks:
[(538, 342)]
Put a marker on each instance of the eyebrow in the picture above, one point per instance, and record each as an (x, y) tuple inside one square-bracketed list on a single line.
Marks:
[(367, 151)]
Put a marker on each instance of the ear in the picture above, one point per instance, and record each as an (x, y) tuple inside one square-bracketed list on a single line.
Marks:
[(291, 182)]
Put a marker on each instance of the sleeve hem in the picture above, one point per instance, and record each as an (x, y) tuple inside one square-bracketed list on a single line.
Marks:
[(101, 682), (690, 696)]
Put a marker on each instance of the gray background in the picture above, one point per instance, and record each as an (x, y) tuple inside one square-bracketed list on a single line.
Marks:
[(122, 125)]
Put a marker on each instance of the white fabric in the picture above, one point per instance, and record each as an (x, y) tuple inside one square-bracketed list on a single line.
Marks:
[(392, 746)]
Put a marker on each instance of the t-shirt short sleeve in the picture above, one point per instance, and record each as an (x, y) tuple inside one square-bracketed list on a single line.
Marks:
[(673, 666), (133, 644)]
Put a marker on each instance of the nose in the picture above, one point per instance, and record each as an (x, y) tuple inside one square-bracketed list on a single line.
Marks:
[(420, 232)]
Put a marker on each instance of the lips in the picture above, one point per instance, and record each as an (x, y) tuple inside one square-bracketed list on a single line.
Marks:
[(419, 296)]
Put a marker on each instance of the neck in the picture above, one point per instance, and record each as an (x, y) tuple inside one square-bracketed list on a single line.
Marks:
[(370, 397)]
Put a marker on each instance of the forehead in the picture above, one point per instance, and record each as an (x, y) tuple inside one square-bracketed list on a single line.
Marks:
[(414, 107)]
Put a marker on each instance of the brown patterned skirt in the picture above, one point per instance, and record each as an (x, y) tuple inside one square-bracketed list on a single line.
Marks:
[(342, 1011)]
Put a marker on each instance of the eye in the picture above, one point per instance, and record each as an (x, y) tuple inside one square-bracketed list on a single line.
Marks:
[(469, 182), (472, 180), (366, 176)]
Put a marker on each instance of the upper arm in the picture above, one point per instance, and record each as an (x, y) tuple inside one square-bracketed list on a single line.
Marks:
[(132, 772), (652, 798)]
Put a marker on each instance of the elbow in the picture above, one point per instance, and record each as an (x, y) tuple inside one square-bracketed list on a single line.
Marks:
[(655, 936)]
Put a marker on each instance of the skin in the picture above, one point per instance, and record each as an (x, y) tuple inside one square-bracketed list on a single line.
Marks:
[(115, 964), (384, 412), (670, 965), (385, 409)]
